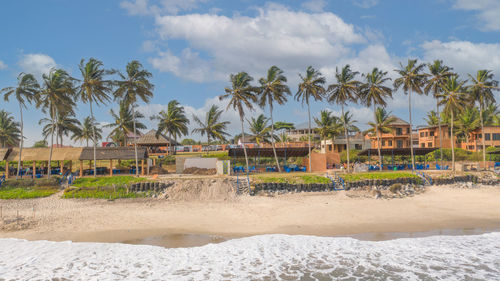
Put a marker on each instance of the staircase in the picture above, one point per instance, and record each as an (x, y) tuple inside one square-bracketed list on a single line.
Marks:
[(242, 185), (426, 179), (338, 182)]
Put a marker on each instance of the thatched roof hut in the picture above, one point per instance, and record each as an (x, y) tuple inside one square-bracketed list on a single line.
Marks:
[(150, 139), (113, 153), (42, 154), (73, 153)]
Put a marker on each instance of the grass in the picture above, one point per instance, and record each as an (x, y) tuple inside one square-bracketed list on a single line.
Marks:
[(106, 181), (101, 193), (377, 176), (26, 192)]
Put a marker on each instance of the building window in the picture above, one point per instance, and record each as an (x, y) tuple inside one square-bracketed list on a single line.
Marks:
[(358, 146), (429, 144), (383, 143), (422, 145), (432, 133), (426, 134), (422, 134), (487, 136), (399, 131), (496, 136), (399, 144), (408, 130), (390, 142)]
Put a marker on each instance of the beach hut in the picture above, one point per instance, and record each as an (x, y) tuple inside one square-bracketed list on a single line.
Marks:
[(156, 145), (113, 153)]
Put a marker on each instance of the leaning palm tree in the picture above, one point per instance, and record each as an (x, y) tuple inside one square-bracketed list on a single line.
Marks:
[(131, 88), (311, 86), (10, 134), (346, 89), (381, 125), (86, 131), (213, 127), (453, 99), (24, 92), (260, 130), (123, 123), (94, 88), (438, 72), (56, 95), (411, 80), (373, 92), (172, 122), (242, 94), (323, 125), (482, 89), (273, 89), (468, 121)]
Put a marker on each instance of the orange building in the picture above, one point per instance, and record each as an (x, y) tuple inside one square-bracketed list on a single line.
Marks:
[(399, 137), (429, 137)]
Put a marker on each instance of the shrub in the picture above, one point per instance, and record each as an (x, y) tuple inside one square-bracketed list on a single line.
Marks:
[(395, 188), (106, 181)]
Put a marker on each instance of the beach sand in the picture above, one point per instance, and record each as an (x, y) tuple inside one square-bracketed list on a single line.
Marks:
[(197, 222)]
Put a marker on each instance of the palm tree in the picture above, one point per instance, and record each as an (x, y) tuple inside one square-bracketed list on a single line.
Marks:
[(489, 114), (124, 123), (454, 99), (212, 127), (87, 130), (383, 120), (273, 89), (432, 118), (25, 91), (259, 128), (336, 128), (10, 134), (131, 88), (438, 72), (481, 90), (241, 95), (94, 89), (56, 95), (323, 125), (345, 90), (311, 86), (280, 126), (468, 121), (65, 124), (412, 80), (348, 122), (373, 92), (172, 122)]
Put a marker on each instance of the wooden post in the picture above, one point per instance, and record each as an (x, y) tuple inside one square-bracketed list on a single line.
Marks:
[(62, 167), (142, 167), (34, 169), (154, 161), (6, 169), (111, 167), (81, 168)]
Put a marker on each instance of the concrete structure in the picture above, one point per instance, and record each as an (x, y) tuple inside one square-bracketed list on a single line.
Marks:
[(399, 137), (301, 132), (357, 141)]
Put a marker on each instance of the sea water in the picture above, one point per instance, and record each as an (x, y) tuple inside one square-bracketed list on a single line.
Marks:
[(264, 257)]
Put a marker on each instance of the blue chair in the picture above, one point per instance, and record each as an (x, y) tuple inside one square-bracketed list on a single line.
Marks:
[(497, 164), (303, 169)]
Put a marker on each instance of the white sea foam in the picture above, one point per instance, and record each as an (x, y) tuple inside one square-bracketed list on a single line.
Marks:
[(265, 257)]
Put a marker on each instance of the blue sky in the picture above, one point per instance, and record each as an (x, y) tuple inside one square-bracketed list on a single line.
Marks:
[(191, 46)]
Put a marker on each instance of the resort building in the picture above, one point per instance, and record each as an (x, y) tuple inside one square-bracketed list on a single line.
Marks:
[(357, 142), (399, 137), (301, 133), (429, 137)]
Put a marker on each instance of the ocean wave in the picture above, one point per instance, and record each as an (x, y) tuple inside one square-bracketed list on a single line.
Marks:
[(264, 257)]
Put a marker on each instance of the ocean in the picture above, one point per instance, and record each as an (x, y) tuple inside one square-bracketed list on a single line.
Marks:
[(263, 257)]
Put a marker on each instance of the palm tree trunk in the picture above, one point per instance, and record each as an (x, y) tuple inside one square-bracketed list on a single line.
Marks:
[(135, 144), (482, 132), (411, 134), (244, 147), (20, 142), (309, 122), (452, 137), (378, 137), (347, 140), (440, 134), (272, 138), (93, 139), (51, 144)]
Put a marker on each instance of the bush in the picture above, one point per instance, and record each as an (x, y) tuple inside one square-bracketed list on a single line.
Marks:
[(106, 181), (26, 192), (377, 176), (395, 188)]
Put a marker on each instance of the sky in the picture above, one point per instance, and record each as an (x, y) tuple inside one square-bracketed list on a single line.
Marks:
[(192, 46)]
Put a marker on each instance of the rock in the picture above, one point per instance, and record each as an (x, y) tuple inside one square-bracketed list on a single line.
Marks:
[(376, 194)]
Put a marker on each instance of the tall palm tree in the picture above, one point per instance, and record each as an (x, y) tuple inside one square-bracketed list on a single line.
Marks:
[(468, 121), (241, 94), (87, 130), (172, 122), (94, 88), (131, 88), (273, 89), (381, 125), (453, 99), (281, 126), (311, 86), (260, 130), (432, 118), (323, 125), (489, 114), (336, 128), (65, 124), (373, 92), (123, 123), (481, 90), (24, 92), (411, 80), (56, 95), (10, 134), (346, 89), (213, 127), (438, 72)]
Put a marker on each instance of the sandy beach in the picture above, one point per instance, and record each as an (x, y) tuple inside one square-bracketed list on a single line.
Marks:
[(321, 214)]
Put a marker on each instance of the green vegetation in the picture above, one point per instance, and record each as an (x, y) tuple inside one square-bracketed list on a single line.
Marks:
[(106, 181), (292, 179), (28, 188), (101, 193), (221, 155), (377, 176)]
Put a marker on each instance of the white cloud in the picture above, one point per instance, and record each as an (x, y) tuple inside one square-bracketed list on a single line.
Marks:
[(362, 115), (488, 12), (37, 64), (365, 4), (314, 5), (188, 65), (2, 65), (144, 7)]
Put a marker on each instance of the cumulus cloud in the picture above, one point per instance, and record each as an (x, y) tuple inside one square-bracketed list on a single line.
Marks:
[(36, 64), (365, 4), (314, 5), (362, 115), (188, 65), (2, 65), (487, 12), (145, 7)]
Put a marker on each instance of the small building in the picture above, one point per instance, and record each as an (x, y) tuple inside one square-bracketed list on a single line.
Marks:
[(357, 142), (301, 133), (399, 137), (156, 144)]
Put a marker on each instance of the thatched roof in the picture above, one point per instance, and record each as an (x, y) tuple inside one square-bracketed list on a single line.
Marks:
[(42, 154), (150, 138), (115, 153)]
